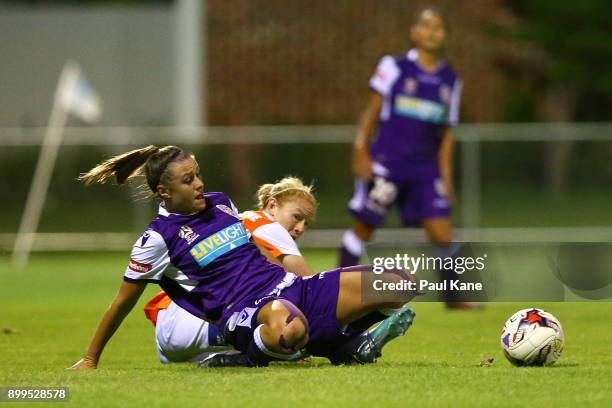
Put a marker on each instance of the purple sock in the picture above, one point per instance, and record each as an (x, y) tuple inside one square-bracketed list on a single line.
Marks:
[(347, 258), (215, 336)]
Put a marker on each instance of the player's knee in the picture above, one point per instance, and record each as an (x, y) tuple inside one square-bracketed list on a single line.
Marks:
[(441, 238), (287, 327), (439, 234), (294, 337), (363, 231)]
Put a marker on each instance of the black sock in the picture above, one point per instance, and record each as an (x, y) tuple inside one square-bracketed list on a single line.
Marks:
[(256, 356), (363, 324)]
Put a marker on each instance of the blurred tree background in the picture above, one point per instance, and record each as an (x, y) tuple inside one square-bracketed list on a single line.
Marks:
[(559, 73)]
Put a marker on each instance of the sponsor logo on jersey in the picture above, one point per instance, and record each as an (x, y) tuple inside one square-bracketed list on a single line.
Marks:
[(227, 210), (139, 267), (212, 247), (187, 234), (420, 109)]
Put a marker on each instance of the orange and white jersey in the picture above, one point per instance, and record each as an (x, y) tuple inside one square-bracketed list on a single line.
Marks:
[(269, 233), (157, 303)]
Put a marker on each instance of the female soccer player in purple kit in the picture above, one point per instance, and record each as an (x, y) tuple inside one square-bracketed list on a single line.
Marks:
[(415, 103), (199, 252)]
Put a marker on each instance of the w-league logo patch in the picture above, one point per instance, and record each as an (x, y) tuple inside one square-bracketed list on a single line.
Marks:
[(187, 234)]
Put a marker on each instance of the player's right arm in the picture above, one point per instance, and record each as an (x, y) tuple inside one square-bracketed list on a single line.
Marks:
[(124, 302), (381, 83), (149, 260), (361, 165), (296, 264)]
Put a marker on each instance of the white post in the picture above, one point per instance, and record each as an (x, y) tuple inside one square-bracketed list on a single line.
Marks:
[(470, 197), (44, 167), (188, 52)]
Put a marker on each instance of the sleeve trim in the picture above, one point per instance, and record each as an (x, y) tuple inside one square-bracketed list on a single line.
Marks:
[(126, 279)]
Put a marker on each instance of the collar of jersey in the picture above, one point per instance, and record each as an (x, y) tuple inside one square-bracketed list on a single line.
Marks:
[(165, 213), (413, 55)]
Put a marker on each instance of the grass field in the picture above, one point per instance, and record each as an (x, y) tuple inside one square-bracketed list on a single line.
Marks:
[(56, 302)]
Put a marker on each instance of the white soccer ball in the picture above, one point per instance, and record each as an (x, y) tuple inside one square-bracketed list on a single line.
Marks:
[(532, 337)]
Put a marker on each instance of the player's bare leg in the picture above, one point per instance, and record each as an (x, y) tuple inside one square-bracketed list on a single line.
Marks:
[(351, 306), (353, 309), (439, 231)]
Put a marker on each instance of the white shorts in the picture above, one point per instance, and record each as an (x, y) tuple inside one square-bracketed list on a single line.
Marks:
[(180, 336)]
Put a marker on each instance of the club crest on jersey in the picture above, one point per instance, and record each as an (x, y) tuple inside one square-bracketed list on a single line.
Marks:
[(227, 210), (187, 234), (410, 86)]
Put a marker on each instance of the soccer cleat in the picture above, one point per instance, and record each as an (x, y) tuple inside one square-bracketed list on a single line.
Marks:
[(367, 347), (393, 326), (225, 360), (300, 355)]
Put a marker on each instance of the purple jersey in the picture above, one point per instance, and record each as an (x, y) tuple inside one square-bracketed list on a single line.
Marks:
[(205, 262), (417, 106)]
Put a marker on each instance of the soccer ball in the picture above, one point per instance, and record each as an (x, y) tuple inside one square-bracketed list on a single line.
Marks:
[(532, 337)]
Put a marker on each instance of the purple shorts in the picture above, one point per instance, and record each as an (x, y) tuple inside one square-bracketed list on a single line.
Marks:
[(419, 196), (315, 296)]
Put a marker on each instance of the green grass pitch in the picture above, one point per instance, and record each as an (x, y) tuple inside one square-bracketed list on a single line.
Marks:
[(54, 306)]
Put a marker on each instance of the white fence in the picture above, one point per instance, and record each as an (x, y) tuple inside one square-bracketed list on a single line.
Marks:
[(470, 136)]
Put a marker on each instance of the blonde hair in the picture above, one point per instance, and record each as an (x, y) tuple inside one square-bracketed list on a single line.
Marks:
[(152, 161), (283, 190)]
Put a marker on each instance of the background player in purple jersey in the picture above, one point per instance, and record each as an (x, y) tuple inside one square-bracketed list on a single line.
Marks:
[(415, 103), (198, 251)]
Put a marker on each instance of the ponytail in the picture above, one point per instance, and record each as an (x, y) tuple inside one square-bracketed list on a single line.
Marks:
[(122, 167), (152, 161)]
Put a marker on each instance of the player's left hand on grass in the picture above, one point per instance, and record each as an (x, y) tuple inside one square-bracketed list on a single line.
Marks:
[(84, 364)]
